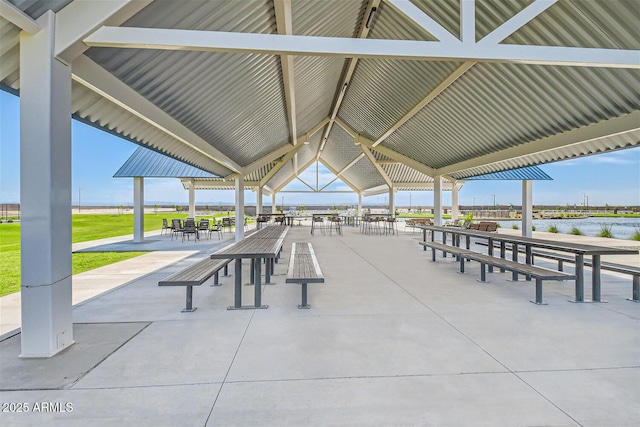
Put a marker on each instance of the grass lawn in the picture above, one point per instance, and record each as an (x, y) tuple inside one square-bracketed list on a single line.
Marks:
[(84, 228)]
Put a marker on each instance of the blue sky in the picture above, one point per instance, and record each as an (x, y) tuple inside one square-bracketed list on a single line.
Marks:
[(610, 178)]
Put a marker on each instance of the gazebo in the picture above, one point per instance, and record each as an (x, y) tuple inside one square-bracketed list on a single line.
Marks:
[(381, 92)]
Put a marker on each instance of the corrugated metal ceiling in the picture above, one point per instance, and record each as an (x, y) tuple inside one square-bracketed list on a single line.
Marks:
[(236, 102)]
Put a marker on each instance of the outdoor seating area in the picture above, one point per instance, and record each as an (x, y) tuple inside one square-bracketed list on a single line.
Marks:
[(386, 324)]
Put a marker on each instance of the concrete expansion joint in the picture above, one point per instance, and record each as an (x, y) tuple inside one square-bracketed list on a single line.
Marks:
[(22, 285)]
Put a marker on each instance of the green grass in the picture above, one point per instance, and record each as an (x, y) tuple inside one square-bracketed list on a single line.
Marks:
[(84, 228), (85, 261), (605, 231), (553, 229), (576, 232), (636, 235)]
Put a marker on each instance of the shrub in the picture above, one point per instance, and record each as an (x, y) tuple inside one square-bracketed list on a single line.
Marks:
[(605, 231), (636, 235), (553, 229), (515, 227), (533, 228), (576, 232)]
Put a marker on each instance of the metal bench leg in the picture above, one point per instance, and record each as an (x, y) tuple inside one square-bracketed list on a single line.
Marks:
[(528, 259), (503, 250), (514, 257), (539, 292), (189, 308), (560, 265), (433, 254), (226, 271), (490, 253), (304, 297), (636, 289), (461, 264), (216, 279), (483, 273), (237, 297)]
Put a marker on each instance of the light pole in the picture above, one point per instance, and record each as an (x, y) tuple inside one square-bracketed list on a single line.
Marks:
[(282, 204), (585, 201), (409, 201), (494, 202), (79, 198)]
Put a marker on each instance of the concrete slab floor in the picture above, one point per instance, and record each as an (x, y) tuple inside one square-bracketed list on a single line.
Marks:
[(391, 339)]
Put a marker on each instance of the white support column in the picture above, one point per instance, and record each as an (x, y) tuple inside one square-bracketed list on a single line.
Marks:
[(527, 208), (454, 202), (138, 210), (45, 194), (192, 198), (273, 202), (239, 208), (359, 204), (392, 201), (259, 201), (437, 200)]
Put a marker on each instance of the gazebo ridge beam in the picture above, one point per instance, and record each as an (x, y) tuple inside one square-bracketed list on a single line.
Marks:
[(275, 44)]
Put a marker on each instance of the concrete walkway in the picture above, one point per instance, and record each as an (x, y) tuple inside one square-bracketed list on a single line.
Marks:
[(391, 339)]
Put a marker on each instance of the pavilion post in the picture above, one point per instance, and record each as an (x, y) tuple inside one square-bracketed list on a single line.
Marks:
[(437, 200), (527, 208), (259, 201), (359, 204), (138, 210), (392, 202), (192, 198), (45, 194), (273, 202), (454, 201), (239, 208)]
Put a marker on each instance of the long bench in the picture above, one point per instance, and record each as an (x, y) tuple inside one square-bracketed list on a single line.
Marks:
[(610, 266), (533, 271), (195, 275), (303, 269)]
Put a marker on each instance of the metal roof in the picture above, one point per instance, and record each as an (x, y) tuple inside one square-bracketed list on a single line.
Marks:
[(235, 106), (531, 173), (145, 163)]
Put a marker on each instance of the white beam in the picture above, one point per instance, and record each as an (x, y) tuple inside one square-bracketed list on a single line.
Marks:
[(517, 21), (239, 208), (192, 198), (275, 44), (283, 23), (351, 163), (437, 200), (138, 210), (45, 195), (291, 153), (372, 159), (268, 158), (459, 72), (468, 21), (80, 18), (423, 20), (414, 164), (615, 126), (527, 208), (99, 80), (328, 166), (293, 176), (343, 83), (18, 18)]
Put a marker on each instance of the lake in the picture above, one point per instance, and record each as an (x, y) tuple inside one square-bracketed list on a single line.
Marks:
[(621, 228)]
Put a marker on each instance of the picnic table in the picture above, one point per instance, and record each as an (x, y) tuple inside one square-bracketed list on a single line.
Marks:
[(264, 244), (578, 249)]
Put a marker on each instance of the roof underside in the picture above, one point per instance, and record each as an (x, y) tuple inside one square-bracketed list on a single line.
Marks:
[(375, 118)]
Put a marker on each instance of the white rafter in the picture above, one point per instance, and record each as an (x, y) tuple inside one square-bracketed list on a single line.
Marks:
[(293, 176), (96, 78), (615, 126), (280, 165), (468, 21), (517, 21), (283, 23), (346, 78), (423, 20), (268, 158), (459, 72), (18, 18), (82, 17), (335, 172), (375, 164), (216, 41)]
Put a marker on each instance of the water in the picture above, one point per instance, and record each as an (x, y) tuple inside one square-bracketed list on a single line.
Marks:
[(621, 228)]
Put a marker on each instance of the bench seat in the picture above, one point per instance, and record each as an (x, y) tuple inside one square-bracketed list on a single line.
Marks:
[(195, 275), (303, 269), (604, 265)]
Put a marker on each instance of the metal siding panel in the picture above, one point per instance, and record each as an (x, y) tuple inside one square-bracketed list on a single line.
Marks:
[(363, 175), (340, 149)]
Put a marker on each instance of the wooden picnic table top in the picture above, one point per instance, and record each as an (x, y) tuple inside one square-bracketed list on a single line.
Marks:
[(577, 248), (251, 248), (271, 232)]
